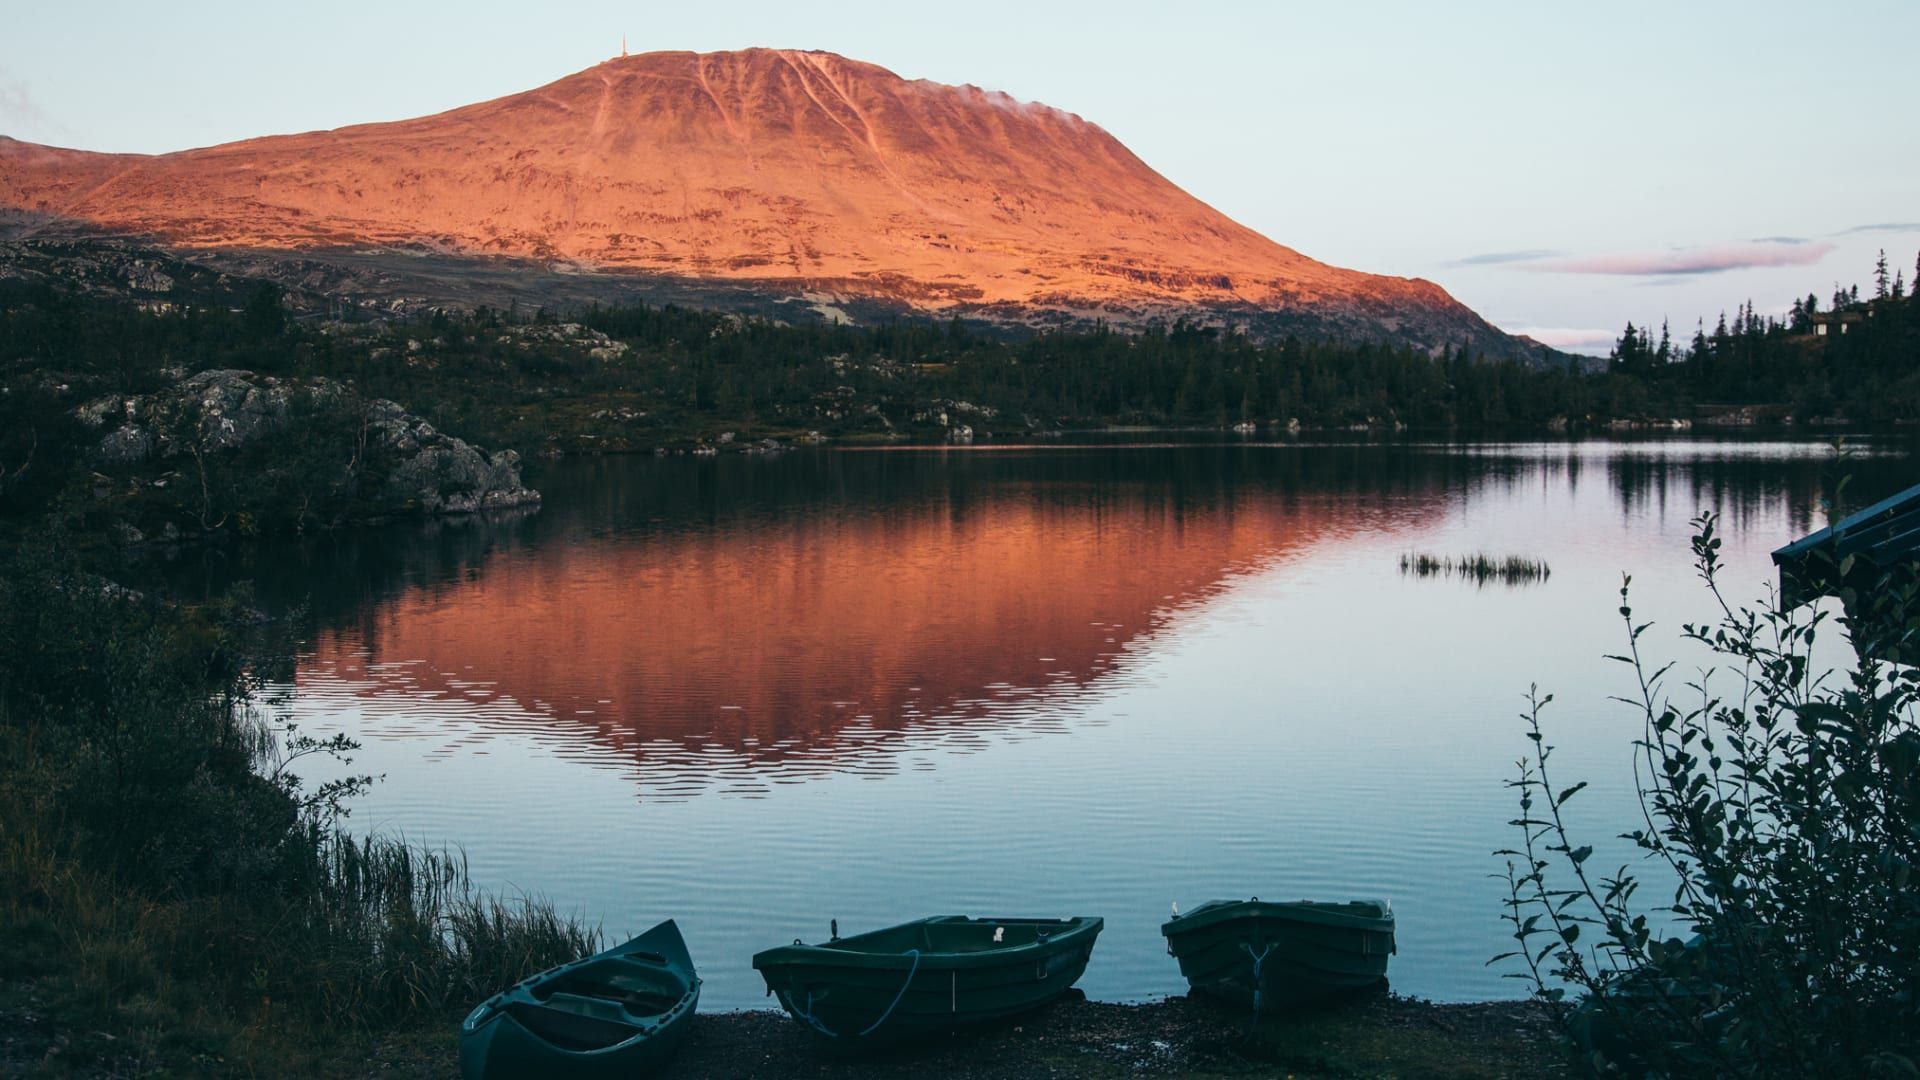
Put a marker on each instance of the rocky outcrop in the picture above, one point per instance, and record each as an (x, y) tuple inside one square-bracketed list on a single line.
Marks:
[(439, 474), (409, 465), (206, 412)]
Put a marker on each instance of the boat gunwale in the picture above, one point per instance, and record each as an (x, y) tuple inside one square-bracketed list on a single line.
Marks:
[(643, 1032), (827, 956), (1318, 914)]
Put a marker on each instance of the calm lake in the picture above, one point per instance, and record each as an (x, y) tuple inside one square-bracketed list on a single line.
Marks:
[(756, 693)]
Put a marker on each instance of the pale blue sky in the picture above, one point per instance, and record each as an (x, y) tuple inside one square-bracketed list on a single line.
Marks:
[(1405, 138)]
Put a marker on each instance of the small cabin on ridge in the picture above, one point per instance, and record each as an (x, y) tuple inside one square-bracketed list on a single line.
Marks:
[(1832, 323)]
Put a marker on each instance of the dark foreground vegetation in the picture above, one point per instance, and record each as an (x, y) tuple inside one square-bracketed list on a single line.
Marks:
[(1770, 926), (171, 894)]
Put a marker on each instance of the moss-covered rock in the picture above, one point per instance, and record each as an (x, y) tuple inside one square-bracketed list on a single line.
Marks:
[(273, 447)]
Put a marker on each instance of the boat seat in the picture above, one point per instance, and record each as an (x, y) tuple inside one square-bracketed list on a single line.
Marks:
[(576, 1023), (588, 1005)]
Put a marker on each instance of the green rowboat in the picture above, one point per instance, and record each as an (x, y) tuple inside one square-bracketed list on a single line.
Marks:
[(927, 976), (1261, 955), (618, 1013)]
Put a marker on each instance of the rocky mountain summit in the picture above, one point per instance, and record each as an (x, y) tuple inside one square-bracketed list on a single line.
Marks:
[(818, 185), (229, 439)]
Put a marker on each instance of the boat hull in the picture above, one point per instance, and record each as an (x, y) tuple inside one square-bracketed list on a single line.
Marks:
[(928, 977), (619, 1013), (507, 1050), (1266, 955)]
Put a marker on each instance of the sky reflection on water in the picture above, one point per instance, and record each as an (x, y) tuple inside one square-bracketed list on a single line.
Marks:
[(757, 693)]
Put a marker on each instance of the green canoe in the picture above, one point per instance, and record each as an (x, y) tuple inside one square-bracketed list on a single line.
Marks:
[(927, 976), (1260, 955), (616, 1013)]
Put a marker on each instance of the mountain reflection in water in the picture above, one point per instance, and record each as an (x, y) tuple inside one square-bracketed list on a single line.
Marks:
[(756, 693), (749, 619)]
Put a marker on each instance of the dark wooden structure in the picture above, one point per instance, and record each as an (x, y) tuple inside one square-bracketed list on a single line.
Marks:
[(1871, 561)]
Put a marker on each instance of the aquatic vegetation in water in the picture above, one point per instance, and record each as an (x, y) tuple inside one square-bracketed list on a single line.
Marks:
[(1478, 567)]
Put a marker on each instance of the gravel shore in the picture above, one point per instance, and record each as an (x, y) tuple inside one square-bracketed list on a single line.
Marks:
[(1380, 1035)]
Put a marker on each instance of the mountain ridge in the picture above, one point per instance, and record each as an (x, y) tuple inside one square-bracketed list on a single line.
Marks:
[(803, 173)]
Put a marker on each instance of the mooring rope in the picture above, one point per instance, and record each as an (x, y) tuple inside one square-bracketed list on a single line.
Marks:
[(1258, 959), (806, 1015)]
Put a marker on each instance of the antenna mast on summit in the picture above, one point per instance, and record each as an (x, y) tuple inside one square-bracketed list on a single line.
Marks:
[(623, 44)]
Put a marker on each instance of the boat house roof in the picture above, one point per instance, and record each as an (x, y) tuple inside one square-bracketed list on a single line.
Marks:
[(1888, 532), (1871, 560)]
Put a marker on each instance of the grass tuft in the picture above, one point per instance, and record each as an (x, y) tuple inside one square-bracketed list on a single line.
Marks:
[(1479, 568)]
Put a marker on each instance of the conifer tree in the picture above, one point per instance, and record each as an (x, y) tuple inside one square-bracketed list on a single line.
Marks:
[(1880, 276), (1626, 350)]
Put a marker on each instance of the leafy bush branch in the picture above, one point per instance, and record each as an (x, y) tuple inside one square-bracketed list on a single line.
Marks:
[(1780, 801)]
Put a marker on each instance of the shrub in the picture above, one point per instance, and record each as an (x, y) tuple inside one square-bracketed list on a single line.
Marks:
[(1782, 805)]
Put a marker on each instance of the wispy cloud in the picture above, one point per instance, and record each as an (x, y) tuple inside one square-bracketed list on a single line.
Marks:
[(1500, 258), (1891, 226), (1691, 261), (18, 110), (1572, 339)]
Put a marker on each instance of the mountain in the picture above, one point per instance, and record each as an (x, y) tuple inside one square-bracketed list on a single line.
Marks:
[(797, 178)]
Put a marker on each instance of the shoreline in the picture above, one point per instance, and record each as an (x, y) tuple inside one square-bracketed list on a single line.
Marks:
[(1374, 1034), (1377, 1034), (759, 442)]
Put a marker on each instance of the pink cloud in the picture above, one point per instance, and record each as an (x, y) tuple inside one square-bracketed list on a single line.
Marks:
[(1706, 260), (1571, 339)]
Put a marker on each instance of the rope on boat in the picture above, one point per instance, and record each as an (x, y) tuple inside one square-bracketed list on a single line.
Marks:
[(1259, 958), (806, 1014)]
